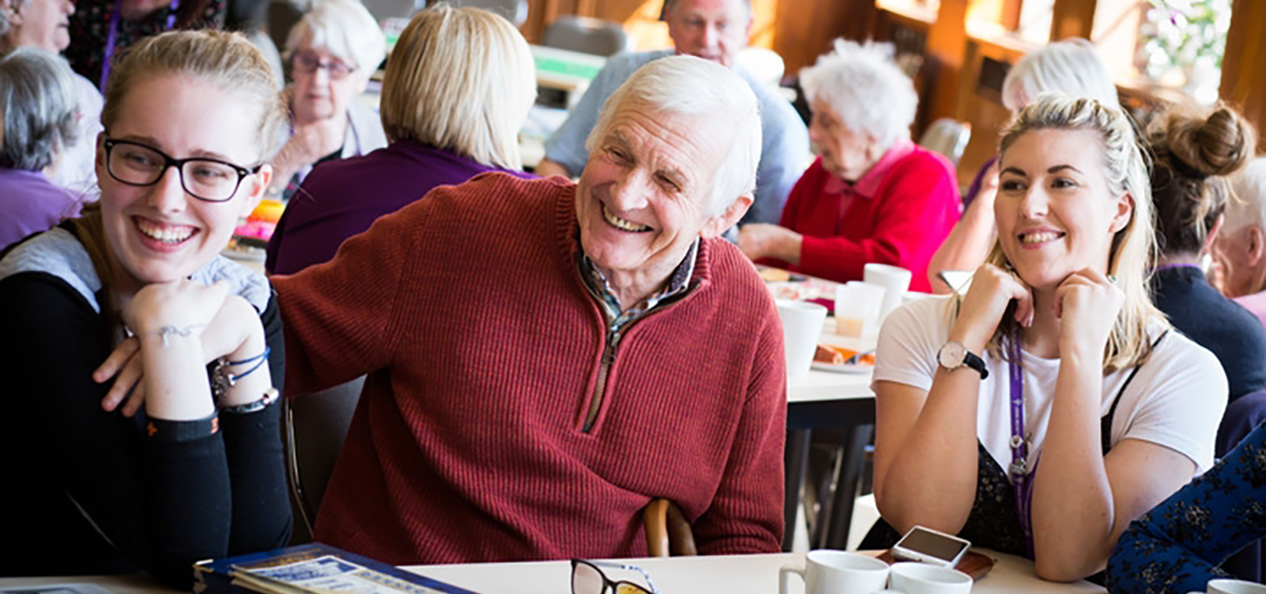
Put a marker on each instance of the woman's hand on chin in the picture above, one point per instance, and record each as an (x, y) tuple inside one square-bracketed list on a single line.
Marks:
[(1087, 304), (992, 290), (180, 307), (225, 334)]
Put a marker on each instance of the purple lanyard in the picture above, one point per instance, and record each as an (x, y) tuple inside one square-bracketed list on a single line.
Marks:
[(112, 38), (1021, 480)]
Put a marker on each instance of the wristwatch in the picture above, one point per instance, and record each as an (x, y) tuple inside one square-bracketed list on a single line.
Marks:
[(954, 355)]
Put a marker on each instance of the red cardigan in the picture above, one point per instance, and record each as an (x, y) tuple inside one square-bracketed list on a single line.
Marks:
[(899, 213), (483, 350)]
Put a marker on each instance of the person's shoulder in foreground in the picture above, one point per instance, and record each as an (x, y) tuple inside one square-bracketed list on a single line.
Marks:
[(1180, 544)]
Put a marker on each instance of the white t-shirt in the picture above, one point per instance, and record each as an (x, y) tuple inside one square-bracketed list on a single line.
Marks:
[(1176, 400)]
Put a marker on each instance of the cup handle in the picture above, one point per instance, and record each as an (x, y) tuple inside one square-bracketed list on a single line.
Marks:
[(782, 577)]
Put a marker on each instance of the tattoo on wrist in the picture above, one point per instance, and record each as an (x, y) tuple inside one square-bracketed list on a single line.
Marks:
[(170, 330)]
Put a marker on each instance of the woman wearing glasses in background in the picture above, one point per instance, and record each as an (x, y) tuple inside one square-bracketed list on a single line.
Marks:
[(332, 51), (134, 298)]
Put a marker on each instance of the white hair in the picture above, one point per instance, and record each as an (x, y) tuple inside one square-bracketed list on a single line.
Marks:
[(1248, 207), (864, 87), (38, 108), (346, 29), (1070, 67), (690, 86)]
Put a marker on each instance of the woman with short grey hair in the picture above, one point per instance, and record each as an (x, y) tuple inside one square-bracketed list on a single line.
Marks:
[(331, 51), (872, 195), (43, 24), (37, 105)]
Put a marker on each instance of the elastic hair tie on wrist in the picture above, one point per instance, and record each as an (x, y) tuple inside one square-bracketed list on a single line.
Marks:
[(263, 355)]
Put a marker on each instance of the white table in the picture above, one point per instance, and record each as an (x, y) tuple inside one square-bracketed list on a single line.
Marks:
[(734, 574)]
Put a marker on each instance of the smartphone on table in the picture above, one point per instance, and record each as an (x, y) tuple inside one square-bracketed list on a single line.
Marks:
[(930, 546)]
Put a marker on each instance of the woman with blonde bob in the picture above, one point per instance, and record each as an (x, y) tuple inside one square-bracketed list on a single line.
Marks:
[(457, 91), (1051, 405), (133, 298)]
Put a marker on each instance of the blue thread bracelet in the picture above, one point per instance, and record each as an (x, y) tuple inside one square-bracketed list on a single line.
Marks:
[(222, 379)]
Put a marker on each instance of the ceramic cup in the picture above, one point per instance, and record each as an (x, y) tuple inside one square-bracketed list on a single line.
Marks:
[(1234, 587), (837, 572), (801, 328), (923, 578)]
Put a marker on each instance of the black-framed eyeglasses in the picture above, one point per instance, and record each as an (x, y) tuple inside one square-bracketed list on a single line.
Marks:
[(308, 62), (210, 180), (588, 578)]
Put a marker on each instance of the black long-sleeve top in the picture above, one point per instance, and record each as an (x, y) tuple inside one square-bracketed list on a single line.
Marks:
[(84, 491)]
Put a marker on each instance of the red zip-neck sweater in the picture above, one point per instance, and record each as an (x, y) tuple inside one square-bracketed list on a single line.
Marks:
[(483, 351)]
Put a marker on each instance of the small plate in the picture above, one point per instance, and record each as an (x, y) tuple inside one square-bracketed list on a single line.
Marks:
[(843, 368)]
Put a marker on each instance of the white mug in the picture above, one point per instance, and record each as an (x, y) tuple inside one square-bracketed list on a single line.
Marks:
[(924, 578), (895, 281), (1234, 587), (801, 328), (837, 572)]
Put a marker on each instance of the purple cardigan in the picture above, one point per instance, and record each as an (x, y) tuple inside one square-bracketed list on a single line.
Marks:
[(32, 203), (342, 198)]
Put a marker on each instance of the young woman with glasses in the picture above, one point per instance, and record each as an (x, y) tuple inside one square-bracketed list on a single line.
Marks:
[(332, 52), (133, 300)]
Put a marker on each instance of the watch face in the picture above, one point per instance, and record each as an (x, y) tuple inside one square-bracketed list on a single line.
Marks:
[(952, 355)]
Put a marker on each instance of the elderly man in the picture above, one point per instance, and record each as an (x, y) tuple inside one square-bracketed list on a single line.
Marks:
[(1242, 242), (713, 30), (545, 358)]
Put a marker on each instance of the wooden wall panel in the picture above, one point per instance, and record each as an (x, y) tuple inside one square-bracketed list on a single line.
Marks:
[(1243, 81), (947, 53), (1072, 18), (804, 29)]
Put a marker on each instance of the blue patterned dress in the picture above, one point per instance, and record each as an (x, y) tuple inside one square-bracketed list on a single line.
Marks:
[(1178, 546)]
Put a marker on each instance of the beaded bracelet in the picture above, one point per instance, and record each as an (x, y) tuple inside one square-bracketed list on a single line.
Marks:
[(222, 379)]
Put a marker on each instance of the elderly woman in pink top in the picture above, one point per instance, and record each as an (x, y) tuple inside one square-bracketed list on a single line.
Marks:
[(872, 195), (1242, 243)]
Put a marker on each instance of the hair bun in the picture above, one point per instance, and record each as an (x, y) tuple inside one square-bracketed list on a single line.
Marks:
[(1220, 144)]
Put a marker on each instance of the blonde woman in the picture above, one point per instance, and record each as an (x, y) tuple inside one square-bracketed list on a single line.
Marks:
[(1052, 405), (456, 93), (1071, 67), (134, 298)]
